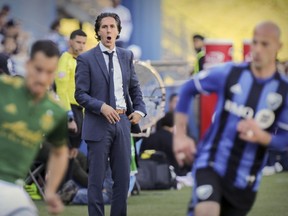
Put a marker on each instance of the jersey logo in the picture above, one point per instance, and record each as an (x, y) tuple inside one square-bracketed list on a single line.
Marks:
[(47, 120), (11, 108), (265, 118), (274, 100), (61, 74), (236, 89), (203, 192)]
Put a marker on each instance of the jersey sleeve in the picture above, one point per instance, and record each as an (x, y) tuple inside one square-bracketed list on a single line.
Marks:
[(58, 136), (62, 81), (279, 139), (205, 82)]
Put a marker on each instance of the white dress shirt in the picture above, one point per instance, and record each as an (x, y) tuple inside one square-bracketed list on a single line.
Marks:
[(118, 81)]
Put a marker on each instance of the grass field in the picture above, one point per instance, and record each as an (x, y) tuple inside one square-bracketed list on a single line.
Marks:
[(271, 201)]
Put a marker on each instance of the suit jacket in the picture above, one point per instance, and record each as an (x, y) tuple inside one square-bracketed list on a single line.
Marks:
[(92, 90)]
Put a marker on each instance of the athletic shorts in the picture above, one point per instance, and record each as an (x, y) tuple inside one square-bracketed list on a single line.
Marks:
[(14, 201), (209, 186)]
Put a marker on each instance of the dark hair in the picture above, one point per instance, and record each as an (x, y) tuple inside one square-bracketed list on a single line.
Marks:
[(11, 23), (77, 32), (48, 47), (168, 120), (6, 7), (172, 96), (99, 19), (55, 24), (198, 36)]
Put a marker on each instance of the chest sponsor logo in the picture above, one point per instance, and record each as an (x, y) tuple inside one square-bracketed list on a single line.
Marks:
[(19, 132), (239, 110), (264, 117)]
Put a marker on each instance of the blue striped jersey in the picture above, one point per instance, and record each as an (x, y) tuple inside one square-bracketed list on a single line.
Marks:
[(240, 96)]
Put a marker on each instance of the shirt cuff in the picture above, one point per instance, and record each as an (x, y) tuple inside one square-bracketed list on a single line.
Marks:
[(70, 113), (140, 113)]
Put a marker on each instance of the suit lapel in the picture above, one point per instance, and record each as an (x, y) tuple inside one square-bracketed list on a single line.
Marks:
[(123, 66), (101, 62)]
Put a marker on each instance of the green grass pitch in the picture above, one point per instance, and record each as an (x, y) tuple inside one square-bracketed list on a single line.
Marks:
[(271, 201)]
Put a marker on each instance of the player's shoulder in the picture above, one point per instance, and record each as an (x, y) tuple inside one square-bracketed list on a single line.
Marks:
[(230, 65), (88, 53), (7, 81), (66, 56), (55, 104), (284, 78), (126, 52)]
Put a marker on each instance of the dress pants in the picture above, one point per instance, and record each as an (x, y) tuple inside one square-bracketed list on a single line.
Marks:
[(115, 145)]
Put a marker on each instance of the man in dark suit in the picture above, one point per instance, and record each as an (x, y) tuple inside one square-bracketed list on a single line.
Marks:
[(108, 89)]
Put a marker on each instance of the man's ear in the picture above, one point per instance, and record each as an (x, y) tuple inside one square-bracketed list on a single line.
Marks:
[(280, 45)]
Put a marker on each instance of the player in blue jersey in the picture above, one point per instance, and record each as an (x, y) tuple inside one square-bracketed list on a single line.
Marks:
[(251, 116)]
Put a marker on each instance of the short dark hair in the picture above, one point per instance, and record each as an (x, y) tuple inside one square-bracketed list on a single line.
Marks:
[(198, 36), (168, 119), (11, 23), (48, 47), (54, 24), (99, 19), (77, 32), (5, 7), (172, 96)]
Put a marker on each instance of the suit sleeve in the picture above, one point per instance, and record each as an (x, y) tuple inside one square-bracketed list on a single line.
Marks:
[(83, 85), (134, 89)]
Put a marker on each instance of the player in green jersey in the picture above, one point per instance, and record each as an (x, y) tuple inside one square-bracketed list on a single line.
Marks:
[(28, 116)]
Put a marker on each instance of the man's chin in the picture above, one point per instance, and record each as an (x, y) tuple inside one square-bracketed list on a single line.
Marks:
[(37, 93), (258, 66)]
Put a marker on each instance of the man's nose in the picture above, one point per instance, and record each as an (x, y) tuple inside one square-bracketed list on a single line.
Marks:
[(43, 77), (256, 48)]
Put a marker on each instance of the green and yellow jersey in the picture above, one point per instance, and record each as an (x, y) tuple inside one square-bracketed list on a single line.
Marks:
[(24, 125), (65, 80)]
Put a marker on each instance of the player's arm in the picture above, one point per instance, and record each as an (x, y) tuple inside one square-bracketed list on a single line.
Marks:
[(135, 94), (57, 165), (183, 146), (204, 82)]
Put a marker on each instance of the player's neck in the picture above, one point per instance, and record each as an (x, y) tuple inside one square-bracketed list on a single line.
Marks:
[(72, 53), (170, 129), (263, 72)]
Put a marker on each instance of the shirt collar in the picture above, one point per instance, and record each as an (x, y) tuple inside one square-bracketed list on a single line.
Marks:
[(103, 48)]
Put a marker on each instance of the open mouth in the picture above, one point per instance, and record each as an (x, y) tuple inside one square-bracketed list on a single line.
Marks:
[(109, 37)]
